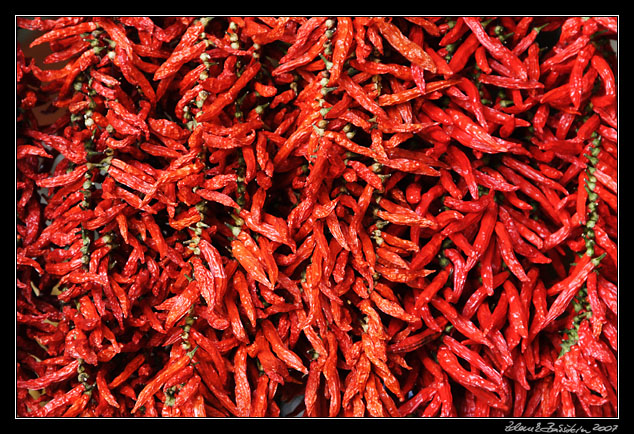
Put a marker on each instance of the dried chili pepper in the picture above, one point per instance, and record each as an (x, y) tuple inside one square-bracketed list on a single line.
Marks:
[(222, 212), (496, 48)]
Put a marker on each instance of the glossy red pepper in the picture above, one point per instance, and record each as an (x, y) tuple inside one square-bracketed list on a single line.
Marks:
[(322, 216)]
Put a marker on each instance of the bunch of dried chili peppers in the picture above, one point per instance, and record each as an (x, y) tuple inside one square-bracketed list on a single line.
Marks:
[(363, 216)]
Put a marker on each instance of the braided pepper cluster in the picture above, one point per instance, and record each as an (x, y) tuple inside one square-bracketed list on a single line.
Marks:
[(251, 216)]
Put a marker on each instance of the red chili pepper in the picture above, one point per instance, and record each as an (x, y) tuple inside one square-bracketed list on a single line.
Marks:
[(303, 59), (280, 349), (506, 251), (242, 387), (459, 273), (496, 48), (607, 76), (407, 48), (208, 113), (61, 33), (312, 27), (481, 60), (576, 75), (367, 174), (341, 45), (467, 206), (60, 401), (473, 130), (51, 378), (132, 74), (410, 94), (455, 32), (180, 305), (450, 364), (276, 192), (566, 289), (358, 94), (463, 53), (128, 370), (178, 58), (463, 325), (510, 82), (567, 52)]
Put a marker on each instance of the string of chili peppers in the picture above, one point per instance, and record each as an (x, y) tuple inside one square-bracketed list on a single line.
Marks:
[(317, 217)]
